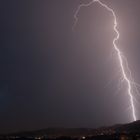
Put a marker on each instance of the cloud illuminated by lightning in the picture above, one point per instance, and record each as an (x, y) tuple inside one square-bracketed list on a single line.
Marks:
[(121, 58)]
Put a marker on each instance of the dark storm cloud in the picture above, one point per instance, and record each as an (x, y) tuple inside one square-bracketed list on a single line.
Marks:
[(51, 77)]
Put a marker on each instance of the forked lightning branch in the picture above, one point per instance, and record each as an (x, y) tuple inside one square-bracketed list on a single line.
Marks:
[(124, 70)]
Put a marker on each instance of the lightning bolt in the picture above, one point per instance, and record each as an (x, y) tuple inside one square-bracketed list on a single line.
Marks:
[(120, 56)]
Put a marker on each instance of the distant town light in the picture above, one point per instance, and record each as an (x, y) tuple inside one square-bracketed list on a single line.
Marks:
[(83, 137)]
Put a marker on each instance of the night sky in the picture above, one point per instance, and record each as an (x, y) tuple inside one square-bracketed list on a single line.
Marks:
[(53, 77)]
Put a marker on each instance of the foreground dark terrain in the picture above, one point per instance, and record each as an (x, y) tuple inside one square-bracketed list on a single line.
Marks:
[(129, 131)]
